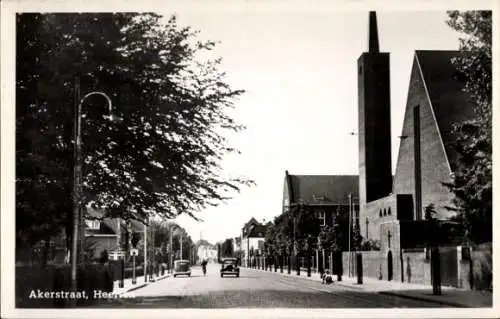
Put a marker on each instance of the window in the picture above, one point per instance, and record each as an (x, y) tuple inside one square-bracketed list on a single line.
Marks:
[(93, 224), (385, 212), (322, 218), (380, 213), (389, 211), (417, 163)]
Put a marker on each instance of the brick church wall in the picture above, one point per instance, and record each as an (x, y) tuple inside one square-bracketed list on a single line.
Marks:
[(392, 207), (434, 164)]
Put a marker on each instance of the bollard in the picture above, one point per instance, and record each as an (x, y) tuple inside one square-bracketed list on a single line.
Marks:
[(359, 268), (134, 280), (122, 279), (289, 265), (297, 266), (435, 271)]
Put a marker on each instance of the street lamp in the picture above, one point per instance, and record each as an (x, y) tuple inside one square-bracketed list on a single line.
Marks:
[(77, 180)]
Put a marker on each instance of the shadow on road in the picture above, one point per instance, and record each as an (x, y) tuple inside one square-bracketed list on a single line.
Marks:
[(268, 298)]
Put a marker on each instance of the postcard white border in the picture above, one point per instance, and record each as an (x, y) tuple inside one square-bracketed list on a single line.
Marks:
[(7, 117)]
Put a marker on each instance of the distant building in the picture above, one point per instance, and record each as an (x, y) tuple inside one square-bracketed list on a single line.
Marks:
[(206, 251), (252, 241)]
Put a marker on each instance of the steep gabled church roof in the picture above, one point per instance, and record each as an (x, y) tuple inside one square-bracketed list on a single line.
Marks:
[(445, 89), (315, 189)]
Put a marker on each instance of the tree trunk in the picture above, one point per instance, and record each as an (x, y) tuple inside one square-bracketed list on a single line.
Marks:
[(45, 254), (289, 263), (308, 263)]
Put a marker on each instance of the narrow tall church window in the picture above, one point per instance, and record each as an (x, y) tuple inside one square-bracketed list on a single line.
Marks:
[(367, 222), (380, 213), (417, 162), (389, 211)]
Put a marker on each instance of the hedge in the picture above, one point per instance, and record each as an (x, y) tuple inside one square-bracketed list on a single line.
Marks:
[(91, 277)]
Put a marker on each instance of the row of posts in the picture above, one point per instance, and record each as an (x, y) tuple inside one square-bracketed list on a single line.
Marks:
[(273, 263), (270, 263)]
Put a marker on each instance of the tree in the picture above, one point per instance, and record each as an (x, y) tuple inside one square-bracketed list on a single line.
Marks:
[(163, 157), (472, 181), (307, 225), (227, 248)]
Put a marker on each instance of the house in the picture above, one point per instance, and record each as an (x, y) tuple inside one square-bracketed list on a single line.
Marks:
[(103, 233), (327, 197), (252, 241)]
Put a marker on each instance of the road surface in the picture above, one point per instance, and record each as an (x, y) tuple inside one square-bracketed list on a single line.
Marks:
[(253, 289)]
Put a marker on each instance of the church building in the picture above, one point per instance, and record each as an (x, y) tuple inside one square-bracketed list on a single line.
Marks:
[(391, 207)]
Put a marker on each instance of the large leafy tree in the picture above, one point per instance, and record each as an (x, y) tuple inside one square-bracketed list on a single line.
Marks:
[(164, 157), (296, 223), (227, 248), (472, 184)]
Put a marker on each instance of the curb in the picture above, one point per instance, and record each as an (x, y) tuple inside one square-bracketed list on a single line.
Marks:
[(418, 298), (144, 284), (387, 293), (339, 283)]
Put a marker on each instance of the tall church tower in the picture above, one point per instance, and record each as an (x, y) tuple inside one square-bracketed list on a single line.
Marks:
[(375, 174)]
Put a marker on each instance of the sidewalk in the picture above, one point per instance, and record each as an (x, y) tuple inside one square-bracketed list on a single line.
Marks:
[(128, 286), (450, 296)]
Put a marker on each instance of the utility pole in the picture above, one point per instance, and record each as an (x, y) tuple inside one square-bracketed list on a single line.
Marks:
[(349, 242), (145, 253), (171, 250), (76, 188), (181, 248)]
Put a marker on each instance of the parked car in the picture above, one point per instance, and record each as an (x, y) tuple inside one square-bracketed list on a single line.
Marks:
[(229, 266), (182, 268)]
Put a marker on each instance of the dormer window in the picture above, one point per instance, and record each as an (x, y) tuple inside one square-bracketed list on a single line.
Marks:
[(93, 224), (322, 218)]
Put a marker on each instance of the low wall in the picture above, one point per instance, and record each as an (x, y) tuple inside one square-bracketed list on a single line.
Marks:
[(416, 269), (482, 267), (373, 263)]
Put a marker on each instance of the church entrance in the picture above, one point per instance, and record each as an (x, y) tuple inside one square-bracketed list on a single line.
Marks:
[(389, 265)]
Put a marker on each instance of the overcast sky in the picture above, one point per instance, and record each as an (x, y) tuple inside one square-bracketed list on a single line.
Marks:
[(299, 73)]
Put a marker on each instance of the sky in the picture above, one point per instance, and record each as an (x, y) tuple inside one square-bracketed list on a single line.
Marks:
[(299, 73)]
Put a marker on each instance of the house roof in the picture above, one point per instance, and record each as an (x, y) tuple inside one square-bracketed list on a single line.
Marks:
[(323, 189), (258, 230), (93, 213), (449, 103), (254, 229), (111, 223)]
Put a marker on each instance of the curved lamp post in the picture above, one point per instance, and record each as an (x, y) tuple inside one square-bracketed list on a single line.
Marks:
[(77, 180)]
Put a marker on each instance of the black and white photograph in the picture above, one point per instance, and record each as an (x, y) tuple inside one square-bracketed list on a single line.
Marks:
[(232, 158)]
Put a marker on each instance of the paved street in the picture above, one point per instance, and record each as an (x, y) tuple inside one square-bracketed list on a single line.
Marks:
[(253, 289)]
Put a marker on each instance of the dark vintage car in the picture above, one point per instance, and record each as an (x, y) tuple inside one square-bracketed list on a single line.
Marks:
[(229, 266), (182, 268)]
